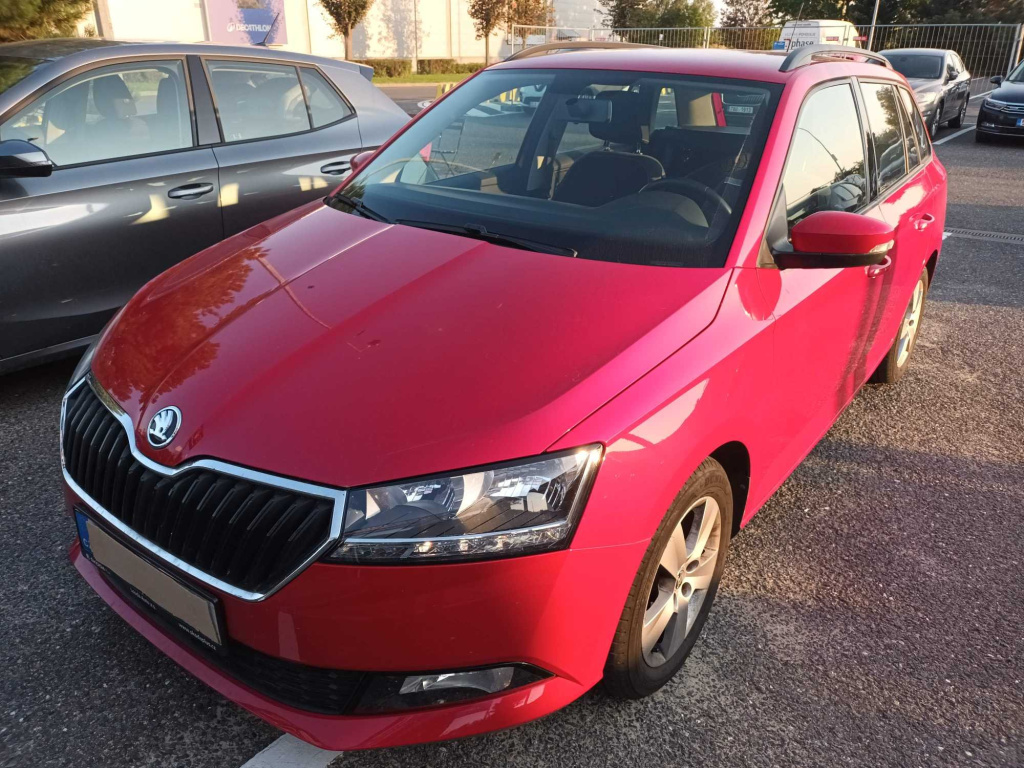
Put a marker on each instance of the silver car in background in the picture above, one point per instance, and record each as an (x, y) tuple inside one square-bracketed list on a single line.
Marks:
[(118, 160)]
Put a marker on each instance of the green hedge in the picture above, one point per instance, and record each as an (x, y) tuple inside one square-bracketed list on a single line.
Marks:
[(387, 67), (448, 67)]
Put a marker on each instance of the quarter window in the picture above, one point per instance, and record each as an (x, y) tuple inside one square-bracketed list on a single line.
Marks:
[(325, 105), (918, 124), (109, 112), (257, 101), (886, 138), (825, 170)]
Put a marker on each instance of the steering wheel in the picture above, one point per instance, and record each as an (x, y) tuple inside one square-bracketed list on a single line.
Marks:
[(686, 186)]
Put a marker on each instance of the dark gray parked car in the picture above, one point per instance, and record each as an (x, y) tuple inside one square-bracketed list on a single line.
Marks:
[(941, 83), (118, 160)]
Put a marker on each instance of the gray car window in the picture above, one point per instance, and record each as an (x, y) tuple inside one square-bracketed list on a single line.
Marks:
[(257, 101), (825, 170), (110, 112), (325, 105)]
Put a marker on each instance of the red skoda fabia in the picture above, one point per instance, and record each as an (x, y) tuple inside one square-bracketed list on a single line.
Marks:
[(440, 453)]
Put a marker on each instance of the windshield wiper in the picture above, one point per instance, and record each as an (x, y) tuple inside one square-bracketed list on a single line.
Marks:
[(356, 205), (481, 233)]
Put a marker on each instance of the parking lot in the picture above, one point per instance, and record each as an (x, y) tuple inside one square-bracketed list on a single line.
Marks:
[(871, 614)]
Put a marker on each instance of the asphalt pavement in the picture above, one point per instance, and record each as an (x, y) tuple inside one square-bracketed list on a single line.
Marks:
[(872, 614)]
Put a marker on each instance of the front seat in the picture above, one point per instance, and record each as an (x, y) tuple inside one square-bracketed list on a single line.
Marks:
[(120, 132), (608, 174)]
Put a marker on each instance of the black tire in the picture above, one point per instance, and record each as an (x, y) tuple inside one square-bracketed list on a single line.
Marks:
[(957, 121), (891, 370), (982, 138), (627, 674), (935, 124)]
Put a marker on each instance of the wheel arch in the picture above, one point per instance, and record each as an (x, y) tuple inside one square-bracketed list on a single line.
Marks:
[(735, 460), (933, 260)]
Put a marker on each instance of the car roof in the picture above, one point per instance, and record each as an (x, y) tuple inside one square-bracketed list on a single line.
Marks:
[(745, 65), (73, 52)]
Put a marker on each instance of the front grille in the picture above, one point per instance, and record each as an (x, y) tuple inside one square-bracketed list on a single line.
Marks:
[(247, 534)]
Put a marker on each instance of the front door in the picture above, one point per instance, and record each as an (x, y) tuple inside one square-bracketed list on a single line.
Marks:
[(130, 196), (288, 138)]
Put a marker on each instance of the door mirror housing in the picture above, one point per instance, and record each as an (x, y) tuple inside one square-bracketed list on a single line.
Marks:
[(997, 80), (834, 239), (23, 159), (357, 162)]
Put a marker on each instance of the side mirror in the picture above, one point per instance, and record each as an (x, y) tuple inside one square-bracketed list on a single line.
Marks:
[(833, 239), (20, 159), (997, 80), (360, 160)]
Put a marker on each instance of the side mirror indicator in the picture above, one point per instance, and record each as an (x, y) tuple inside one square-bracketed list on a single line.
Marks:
[(23, 159)]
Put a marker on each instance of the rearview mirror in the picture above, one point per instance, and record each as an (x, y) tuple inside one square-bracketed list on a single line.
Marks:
[(832, 239), (997, 80), (21, 159), (360, 160)]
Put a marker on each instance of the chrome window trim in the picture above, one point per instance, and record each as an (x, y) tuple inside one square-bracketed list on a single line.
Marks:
[(336, 495)]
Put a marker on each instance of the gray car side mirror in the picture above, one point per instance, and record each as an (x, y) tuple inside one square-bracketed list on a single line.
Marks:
[(21, 159)]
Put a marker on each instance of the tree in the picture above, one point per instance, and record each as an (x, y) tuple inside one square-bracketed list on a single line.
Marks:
[(31, 19), (620, 14), (747, 13), (345, 15), (529, 13), (625, 14), (487, 16)]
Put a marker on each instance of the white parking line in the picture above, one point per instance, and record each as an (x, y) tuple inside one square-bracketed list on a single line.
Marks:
[(986, 93), (289, 752), (953, 135)]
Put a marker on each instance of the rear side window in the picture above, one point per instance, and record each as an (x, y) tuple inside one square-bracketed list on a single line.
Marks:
[(325, 105), (886, 137), (257, 101), (917, 123), (825, 169)]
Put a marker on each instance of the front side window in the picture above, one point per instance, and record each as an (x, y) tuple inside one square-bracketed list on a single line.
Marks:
[(110, 112), (886, 138), (325, 105), (586, 162), (257, 101), (826, 170)]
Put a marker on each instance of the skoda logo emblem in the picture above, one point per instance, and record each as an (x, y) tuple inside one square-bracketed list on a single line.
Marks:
[(163, 426)]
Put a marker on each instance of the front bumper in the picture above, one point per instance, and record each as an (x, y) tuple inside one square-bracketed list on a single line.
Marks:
[(999, 122), (556, 612)]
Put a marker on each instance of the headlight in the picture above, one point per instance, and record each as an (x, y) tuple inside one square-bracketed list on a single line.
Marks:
[(84, 364), (925, 99), (994, 103), (503, 510)]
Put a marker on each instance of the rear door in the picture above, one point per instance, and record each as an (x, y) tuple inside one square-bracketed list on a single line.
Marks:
[(288, 137), (132, 193)]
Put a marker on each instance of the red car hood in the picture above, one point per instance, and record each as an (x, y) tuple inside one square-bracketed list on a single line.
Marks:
[(335, 349)]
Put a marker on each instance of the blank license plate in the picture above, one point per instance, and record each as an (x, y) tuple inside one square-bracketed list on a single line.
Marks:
[(190, 611)]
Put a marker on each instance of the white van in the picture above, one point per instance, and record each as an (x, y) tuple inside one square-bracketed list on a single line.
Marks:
[(817, 31)]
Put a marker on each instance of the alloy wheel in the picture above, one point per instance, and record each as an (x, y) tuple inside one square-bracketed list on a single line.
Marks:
[(685, 571), (911, 322)]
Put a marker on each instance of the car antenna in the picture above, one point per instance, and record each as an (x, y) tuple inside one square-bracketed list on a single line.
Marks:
[(270, 31)]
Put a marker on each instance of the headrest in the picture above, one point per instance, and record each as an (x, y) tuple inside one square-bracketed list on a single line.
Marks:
[(112, 98), (167, 96), (626, 119)]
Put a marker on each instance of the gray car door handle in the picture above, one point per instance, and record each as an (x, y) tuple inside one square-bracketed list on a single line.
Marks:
[(336, 169), (190, 191)]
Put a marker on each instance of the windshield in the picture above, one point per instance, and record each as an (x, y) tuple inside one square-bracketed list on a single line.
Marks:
[(14, 70), (618, 166), (1017, 76), (921, 66)]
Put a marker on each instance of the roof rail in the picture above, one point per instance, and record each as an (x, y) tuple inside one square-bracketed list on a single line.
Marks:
[(809, 54), (572, 45)]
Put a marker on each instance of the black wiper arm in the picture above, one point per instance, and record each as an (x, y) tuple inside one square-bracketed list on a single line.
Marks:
[(356, 205), (481, 233)]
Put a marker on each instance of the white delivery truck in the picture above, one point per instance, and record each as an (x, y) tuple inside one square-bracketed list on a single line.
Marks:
[(817, 31)]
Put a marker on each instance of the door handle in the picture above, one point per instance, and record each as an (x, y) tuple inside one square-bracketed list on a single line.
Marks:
[(336, 169), (190, 191), (876, 269), (921, 222)]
